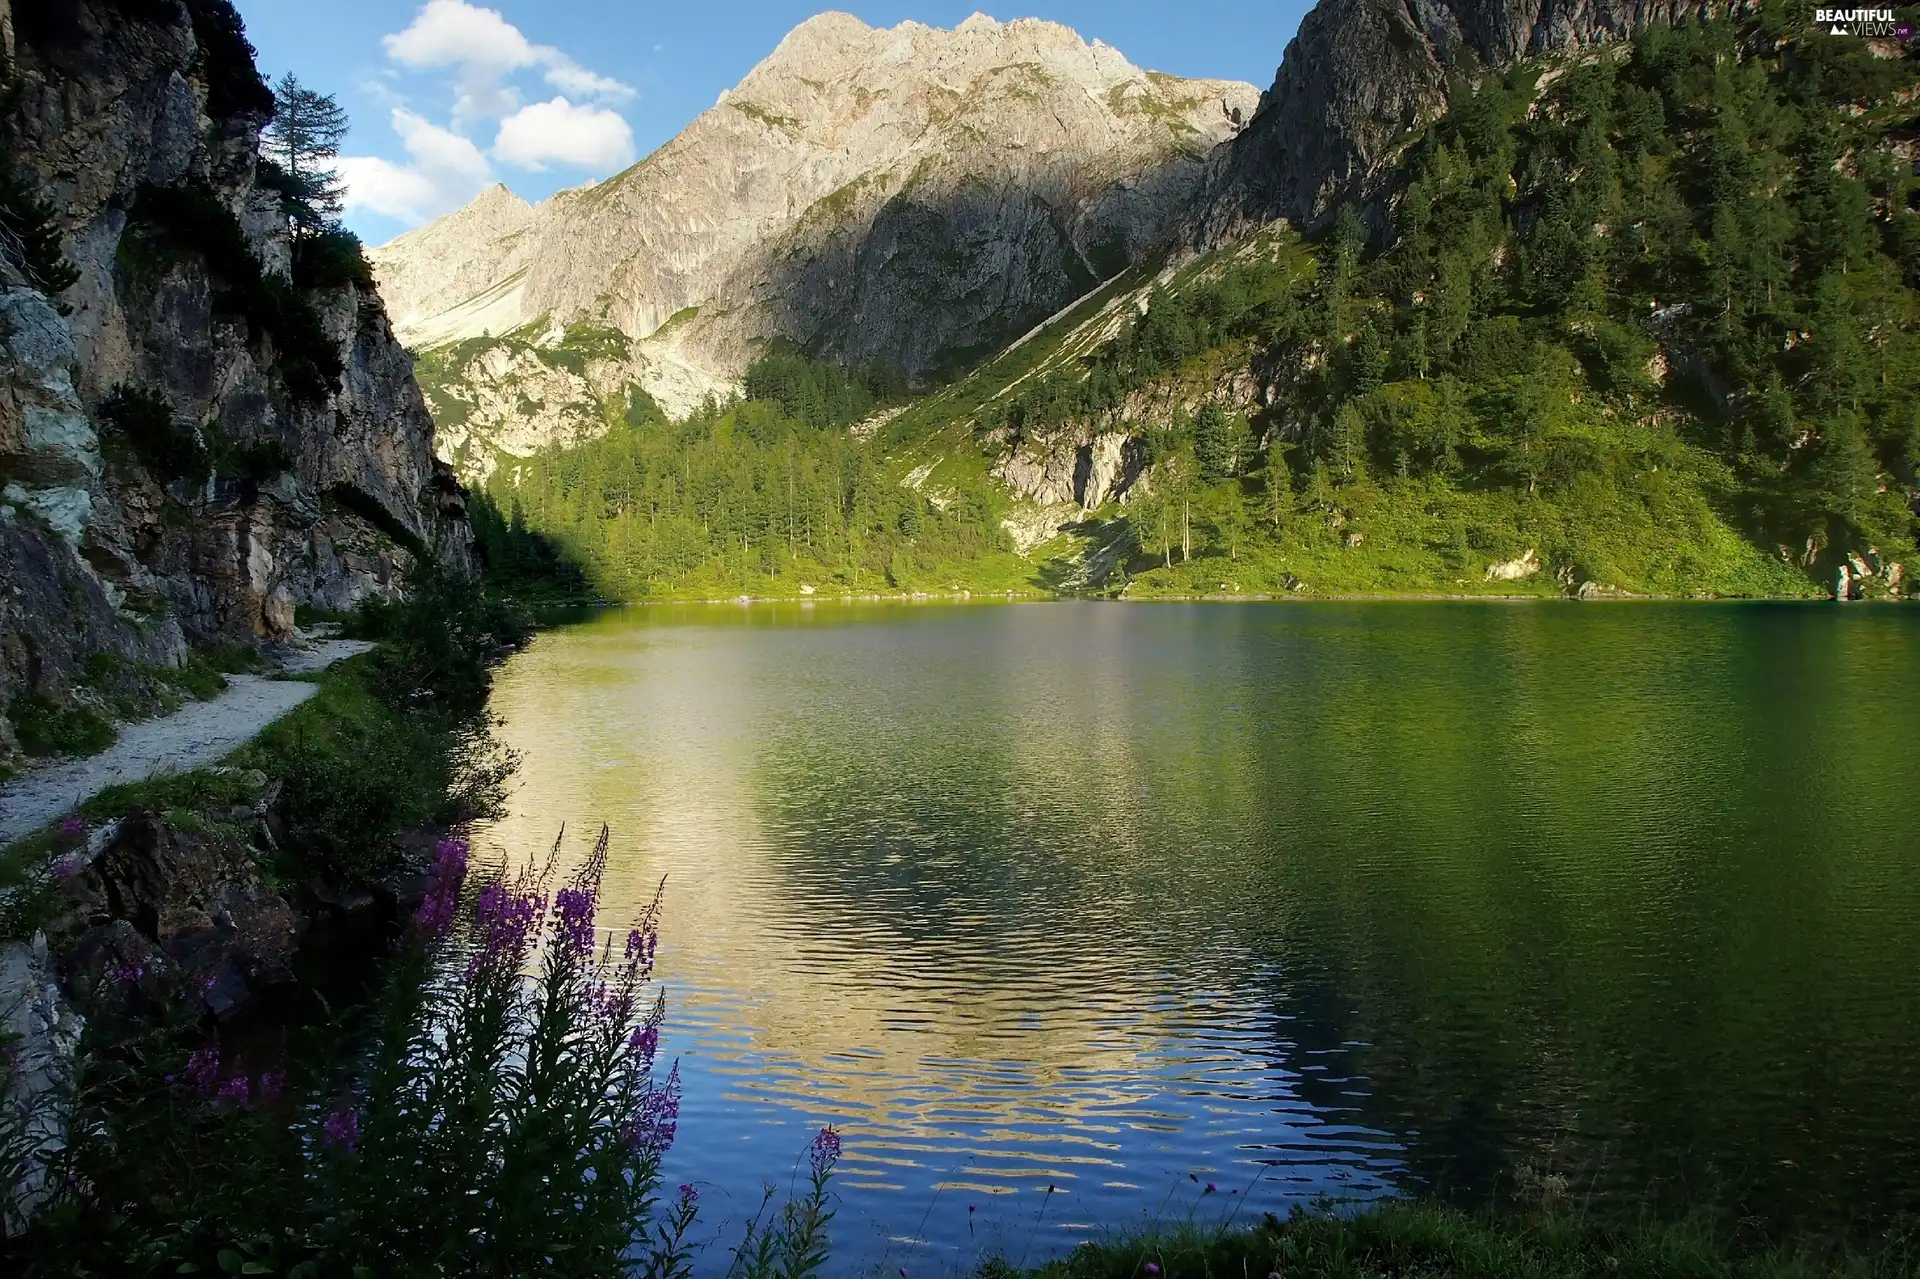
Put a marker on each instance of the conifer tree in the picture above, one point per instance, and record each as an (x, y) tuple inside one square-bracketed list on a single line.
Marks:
[(304, 139)]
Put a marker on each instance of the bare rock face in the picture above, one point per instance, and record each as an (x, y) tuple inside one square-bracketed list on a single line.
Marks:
[(1361, 74), (913, 196), (108, 103)]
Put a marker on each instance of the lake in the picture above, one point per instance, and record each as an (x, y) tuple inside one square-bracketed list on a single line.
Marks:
[(1618, 902)]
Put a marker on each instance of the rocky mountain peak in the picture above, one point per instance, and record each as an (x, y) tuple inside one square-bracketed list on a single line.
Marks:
[(909, 194)]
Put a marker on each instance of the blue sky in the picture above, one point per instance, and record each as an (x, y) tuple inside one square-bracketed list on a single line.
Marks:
[(449, 95)]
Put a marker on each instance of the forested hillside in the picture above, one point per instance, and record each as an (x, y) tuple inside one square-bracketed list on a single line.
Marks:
[(1639, 321)]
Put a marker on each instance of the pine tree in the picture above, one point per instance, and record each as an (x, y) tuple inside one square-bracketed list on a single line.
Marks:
[(1214, 446), (1279, 483), (304, 139)]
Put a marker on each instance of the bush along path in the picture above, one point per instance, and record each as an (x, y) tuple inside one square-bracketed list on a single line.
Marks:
[(194, 736), (189, 897)]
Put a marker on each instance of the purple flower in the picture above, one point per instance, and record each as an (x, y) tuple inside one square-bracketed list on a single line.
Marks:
[(640, 944), (573, 918), (1209, 1190), (202, 1069), (652, 1129), (643, 1041), (67, 865), (128, 971), (342, 1127), (688, 1195), (73, 828), (272, 1084), (504, 921), (235, 1090), (435, 915), (1152, 1269), (826, 1151)]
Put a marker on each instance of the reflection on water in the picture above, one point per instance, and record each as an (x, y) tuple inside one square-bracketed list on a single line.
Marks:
[(1293, 899)]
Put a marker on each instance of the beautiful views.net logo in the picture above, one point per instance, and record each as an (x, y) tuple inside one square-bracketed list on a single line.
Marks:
[(1862, 22)]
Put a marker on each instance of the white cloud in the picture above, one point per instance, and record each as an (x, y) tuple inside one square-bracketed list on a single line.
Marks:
[(559, 132), (483, 48), (444, 172)]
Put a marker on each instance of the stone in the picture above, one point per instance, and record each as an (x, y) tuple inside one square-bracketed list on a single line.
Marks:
[(1515, 570)]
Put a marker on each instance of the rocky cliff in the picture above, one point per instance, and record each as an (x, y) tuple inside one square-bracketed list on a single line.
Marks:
[(1361, 76), (912, 196), (207, 429)]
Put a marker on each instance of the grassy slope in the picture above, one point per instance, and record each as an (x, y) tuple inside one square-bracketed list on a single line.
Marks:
[(1409, 1239), (1418, 535)]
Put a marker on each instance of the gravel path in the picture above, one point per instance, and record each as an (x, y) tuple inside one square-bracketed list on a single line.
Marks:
[(197, 734)]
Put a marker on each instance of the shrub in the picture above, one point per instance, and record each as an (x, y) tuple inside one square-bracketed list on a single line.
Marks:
[(190, 218), (30, 237), (169, 448), (234, 86), (331, 258), (440, 643), (258, 459), (45, 727), (357, 770)]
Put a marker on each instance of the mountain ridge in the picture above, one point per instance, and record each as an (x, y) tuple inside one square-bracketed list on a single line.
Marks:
[(910, 196)]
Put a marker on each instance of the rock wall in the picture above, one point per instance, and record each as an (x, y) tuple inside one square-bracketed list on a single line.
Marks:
[(1361, 74), (111, 100)]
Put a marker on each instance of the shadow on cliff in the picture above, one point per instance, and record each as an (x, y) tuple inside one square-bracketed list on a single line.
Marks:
[(935, 281)]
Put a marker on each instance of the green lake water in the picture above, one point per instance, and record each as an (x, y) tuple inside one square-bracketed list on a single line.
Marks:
[(1296, 899)]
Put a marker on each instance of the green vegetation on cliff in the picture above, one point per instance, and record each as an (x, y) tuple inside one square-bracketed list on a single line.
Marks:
[(1638, 321)]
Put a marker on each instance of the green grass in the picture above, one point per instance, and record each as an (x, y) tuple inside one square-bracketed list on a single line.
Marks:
[(1398, 1238), (46, 728)]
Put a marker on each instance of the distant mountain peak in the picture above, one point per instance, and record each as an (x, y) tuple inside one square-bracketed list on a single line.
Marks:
[(903, 195)]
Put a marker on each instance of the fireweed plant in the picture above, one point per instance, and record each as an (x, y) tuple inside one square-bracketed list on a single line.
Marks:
[(510, 1120), (505, 1117)]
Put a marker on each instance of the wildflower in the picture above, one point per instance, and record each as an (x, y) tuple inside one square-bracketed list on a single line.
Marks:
[(235, 1090), (826, 1151), (1152, 1268), (435, 915), (644, 1040), (341, 1127), (652, 1129), (73, 828), (272, 1084), (688, 1195), (504, 921), (1209, 1190), (128, 971), (202, 1069), (68, 865), (640, 944), (574, 918)]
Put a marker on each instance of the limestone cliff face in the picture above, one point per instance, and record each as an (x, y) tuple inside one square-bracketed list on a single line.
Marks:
[(1361, 74), (910, 195), (115, 102)]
